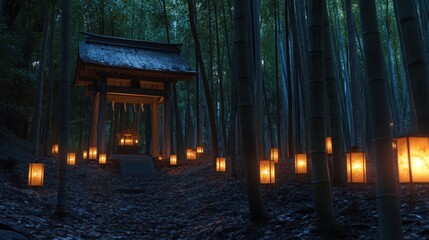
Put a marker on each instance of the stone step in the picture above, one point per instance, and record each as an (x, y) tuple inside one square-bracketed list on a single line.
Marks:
[(132, 165)]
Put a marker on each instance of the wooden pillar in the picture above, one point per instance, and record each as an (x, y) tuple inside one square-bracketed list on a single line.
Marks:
[(155, 129), (101, 132), (166, 123), (94, 121)]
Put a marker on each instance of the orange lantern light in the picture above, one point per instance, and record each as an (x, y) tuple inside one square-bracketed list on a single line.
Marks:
[(328, 143), (173, 159), (55, 149), (122, 142), (159, 157), (200, 150), (274, 155), (71, 159), (93, 153), (301, 163), (102, 158), (413, 159), (36, 172), (85, 154), (394, 144), (220, 164), (356, 165), (191, 154), (267, 172)]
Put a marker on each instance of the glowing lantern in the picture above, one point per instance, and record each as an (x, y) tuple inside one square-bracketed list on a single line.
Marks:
[(200, 150), (55, 149), (35, 174), (220, 164), (413, 159), (356, 165), (301, 163), (85, 155), (159, 157), (394, 144), (136, 141), (191, 154), (275, 155), (102, 158), (122, 143), (71, 158), (328, 143), (173, 159), (267, 172), (92, 153)]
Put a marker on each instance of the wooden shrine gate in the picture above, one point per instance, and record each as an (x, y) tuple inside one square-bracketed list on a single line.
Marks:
[(129, 71)]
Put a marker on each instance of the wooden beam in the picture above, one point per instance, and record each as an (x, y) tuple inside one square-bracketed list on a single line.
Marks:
[(101, 133), (124, 90), (166, 124), (132, 99), (155, 130), (94, 121)]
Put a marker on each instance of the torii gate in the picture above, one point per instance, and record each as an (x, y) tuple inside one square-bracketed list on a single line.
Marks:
[(129, 71)]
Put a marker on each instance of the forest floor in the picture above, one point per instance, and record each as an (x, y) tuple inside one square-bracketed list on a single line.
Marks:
[(188, 201)]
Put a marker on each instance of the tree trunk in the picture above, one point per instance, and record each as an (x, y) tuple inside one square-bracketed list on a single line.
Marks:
[(316, 105), (412, 43), (354, 77), (246, 113), (61, 208), (209, 102), (48, 115), (334, 107), (220, 78), (39, 93), (180, 148), (389, 217)]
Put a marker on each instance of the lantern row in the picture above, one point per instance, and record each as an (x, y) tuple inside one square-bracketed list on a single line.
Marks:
[(412, 161)]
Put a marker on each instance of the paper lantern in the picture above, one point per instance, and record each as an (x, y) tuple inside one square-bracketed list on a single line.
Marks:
[(413, 159), (92, 153), (173, 159), (394, 144), (328, 143), (55, 149), (200, 150), (267, 172), (35, 174), (274, 155), (159, 157), (136, 141), (220, 164), (71, 158), (85, 154), (191, 154), (102, 158), (356, 165), (301, 163)]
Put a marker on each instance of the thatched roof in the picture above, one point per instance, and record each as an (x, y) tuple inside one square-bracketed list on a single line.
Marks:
[(130, 56)]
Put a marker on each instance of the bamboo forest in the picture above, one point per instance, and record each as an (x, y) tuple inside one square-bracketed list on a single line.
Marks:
[(214, 119)]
